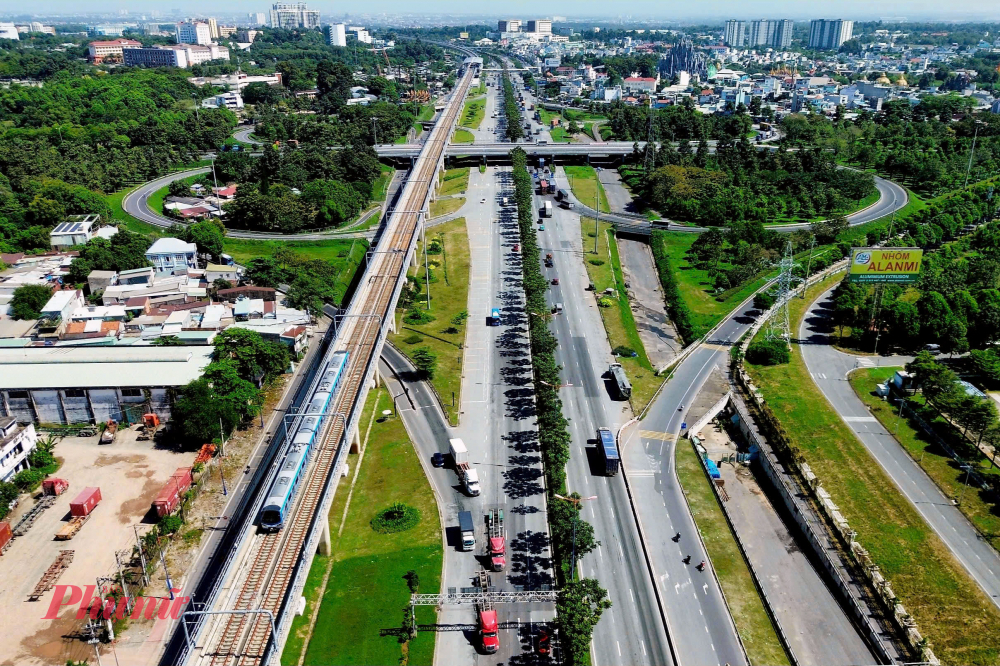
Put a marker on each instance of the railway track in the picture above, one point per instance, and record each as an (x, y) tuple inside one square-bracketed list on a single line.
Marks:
[(272, 559)]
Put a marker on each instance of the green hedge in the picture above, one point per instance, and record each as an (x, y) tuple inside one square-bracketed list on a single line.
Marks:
[(676, 307)]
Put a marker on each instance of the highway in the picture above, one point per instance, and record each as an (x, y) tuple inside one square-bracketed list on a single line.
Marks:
[(829, 369), (269, 568), (631, 632)]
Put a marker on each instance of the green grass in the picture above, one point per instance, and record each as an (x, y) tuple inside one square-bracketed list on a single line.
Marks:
[(583, 181), (426, 112), (381, 186), (454, 181), (462, 136), (976, 504), (449, 297), (864, 203), (950, 610), (752, 621), (366, 592), (473, 113), (619, 323), (696, 288), (559, 135), (441, 207), (334, 250)]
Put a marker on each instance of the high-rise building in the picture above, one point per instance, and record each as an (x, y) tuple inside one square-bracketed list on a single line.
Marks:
[(337, 34), (736, 33), (193, 32), (783, 34), (760, 33), (257, 19), (826, 34), (213, 28), (293, 15), (540, 26), (509, 25)]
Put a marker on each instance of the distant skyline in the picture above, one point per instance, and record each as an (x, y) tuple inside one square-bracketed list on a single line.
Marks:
[(863, 10)]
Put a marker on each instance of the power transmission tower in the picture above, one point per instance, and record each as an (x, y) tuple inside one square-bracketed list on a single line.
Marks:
[(649, 163), (779, 326)]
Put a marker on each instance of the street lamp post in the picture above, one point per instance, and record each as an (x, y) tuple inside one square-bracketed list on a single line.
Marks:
[(576, 517), (375, 129)]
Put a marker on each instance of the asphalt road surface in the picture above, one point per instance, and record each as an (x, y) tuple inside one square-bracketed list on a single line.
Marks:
[(829, 368), (631, 631)]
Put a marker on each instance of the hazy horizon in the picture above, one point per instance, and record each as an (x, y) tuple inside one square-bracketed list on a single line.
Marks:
[(669, 10)]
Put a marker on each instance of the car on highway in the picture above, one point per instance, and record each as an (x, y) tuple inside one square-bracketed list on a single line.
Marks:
[(555, 280), (437, 459), (517, 247), (541, 227)]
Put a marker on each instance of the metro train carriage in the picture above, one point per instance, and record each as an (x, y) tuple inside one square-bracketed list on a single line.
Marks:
[(296, 457)]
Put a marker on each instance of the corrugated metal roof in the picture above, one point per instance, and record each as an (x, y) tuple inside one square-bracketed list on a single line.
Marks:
[(101, 367)]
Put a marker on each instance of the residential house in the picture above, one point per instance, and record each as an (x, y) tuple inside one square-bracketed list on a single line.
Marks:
[(76, 230), (16, 442), (225, 272), (172, 256), (98, 281)]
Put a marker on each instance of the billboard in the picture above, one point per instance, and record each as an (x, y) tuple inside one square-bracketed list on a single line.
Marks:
[(896, 265)]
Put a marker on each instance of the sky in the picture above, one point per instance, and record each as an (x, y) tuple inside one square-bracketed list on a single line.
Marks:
[(681, 10)]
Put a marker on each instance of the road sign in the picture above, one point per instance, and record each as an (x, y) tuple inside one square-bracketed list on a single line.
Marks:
[(684, 425)]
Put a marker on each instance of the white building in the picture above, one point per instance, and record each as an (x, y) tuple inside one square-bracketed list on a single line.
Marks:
[(193, 32), (170, 256), (174, 55), (8, 31), (540, 27), (100, 50), (735, 34), (257, 19), (645, 84), (16, 443), (93, 384), (76, 230), (337, 34), (293, 15), (229, 100), (359, 33), (62, 304), (509, 25)]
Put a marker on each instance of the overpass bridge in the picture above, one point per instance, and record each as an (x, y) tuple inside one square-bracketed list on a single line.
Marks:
[(501, 150), (245, 612)]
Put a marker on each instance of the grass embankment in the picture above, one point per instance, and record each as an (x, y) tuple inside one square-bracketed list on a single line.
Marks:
[(454, 181), (696, 287), (449, 300), (950, 610), (124, 219), (945, 472), (473, 113), (365, 592), (752, 621), (440, 207), (585, 185), (334, 251), (381, 186), (619, 323), (462, 136)]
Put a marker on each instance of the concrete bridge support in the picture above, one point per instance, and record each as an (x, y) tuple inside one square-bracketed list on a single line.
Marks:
[(325, 547)]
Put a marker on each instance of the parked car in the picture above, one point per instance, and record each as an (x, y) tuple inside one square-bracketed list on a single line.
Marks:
[(437, 459)]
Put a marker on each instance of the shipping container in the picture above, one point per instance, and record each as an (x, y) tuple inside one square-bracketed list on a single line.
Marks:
[(169, 496), (54, 486), (5, 536), (85, 501)]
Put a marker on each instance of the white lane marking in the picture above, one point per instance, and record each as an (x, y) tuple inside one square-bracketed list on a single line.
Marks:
[(643, 644), (620, 648), (677, 588), (705, 588), (631, 595)]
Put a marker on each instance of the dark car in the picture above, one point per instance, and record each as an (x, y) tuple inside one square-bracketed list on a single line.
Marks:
[(437, 459)]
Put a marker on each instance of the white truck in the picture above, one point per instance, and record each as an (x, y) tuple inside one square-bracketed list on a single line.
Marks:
[(466, 473), (546, 210)]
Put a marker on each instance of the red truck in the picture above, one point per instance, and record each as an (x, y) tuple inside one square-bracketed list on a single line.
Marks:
[(487, 616), (496, 539)]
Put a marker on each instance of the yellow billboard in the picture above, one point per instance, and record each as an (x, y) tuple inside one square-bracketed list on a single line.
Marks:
[(898, 265)]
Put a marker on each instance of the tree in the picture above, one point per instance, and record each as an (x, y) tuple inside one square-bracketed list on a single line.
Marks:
[(426, 361), (768, 352), (178, 188), (208, 235), (28, 301), (264, 272), (251, 355), (763, 301), (579, 608), (168, 341)]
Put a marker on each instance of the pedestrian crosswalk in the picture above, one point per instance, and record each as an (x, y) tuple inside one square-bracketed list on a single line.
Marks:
[(658, 436)]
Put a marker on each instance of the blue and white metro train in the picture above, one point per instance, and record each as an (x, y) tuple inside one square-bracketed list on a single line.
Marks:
[(279, 497)]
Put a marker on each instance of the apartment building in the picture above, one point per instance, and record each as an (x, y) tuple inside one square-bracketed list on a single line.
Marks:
[(98, 51), (294, 15), (194, 32), (828, 34)]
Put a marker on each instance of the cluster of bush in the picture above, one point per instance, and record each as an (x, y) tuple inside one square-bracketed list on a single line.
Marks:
[(676, 307), (510, 110)]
